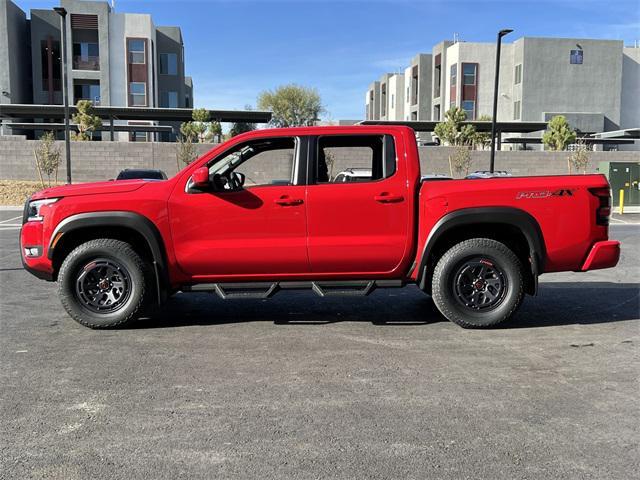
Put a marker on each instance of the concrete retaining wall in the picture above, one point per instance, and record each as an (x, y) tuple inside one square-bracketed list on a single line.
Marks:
[(93, 161)]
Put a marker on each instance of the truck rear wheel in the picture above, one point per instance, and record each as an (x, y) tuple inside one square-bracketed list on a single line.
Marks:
[(478, 283), (104, 283)]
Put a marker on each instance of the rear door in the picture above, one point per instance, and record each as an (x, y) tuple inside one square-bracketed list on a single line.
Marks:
[(359, 227)]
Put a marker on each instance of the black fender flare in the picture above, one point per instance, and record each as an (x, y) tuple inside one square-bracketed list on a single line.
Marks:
[(506, 215), (132, 220)]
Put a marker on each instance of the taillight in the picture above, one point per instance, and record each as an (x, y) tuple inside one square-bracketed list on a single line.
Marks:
[(603, 211)]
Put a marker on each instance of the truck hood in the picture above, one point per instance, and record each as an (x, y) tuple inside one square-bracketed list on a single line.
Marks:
[(120, 186)]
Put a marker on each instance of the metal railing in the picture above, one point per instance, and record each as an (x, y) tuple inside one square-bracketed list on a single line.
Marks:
[(81, 62)]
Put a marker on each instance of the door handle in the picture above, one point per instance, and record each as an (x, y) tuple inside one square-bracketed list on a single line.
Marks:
[(286, 201), (385, 197)]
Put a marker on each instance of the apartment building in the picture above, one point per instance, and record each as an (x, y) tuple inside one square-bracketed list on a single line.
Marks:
[(594, 83), (15, 71), (113, 59)]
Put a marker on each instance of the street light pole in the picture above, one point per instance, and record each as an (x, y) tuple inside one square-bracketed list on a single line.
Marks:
[(501, 34), (65, 87)]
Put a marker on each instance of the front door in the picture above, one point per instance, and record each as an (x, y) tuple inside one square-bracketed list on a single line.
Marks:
[(357, 206), (253, 230)]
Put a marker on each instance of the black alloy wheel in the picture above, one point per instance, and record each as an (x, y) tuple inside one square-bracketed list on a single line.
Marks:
[(480, 284), (103, 285)]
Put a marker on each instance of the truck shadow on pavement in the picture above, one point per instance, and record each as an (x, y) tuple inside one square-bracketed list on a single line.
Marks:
[(557, 303)]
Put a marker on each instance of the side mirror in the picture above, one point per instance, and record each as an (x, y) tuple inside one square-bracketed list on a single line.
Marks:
[(200, 178), (239, 179)]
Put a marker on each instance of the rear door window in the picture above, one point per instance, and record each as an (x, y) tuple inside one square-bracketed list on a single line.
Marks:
[(356, 158)]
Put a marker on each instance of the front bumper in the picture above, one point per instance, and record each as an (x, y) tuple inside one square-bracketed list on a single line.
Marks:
[(603, 254), (31, 236)]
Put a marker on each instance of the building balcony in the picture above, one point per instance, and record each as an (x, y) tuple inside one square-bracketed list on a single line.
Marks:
[(83, 62)]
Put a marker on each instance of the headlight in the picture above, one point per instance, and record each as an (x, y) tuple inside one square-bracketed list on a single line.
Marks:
[(33, 209)]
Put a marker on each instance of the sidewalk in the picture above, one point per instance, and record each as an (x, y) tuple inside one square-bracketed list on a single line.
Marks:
[(629, 218)]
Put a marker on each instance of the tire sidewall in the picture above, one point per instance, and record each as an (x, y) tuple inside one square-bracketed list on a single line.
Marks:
[(444, 280), (69, 272)]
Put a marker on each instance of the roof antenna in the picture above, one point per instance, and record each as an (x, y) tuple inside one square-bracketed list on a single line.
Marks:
[(455, 37)]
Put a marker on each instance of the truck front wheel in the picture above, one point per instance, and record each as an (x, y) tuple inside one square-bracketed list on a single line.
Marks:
[(478, 283), (104, 283)]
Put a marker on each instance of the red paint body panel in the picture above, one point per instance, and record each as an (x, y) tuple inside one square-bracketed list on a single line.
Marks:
[(602, 255), (353, 230), (567, 222), (336, 231)]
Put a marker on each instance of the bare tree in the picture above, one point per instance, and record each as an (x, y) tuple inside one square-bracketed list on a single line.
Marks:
[(460, 161), (47, 158), (579, 158), (185, 151)]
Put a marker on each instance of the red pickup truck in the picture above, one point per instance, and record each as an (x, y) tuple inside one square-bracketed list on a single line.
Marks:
[(263, 212)]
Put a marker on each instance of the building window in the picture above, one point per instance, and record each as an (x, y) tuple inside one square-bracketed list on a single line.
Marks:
[(169, 63), (414, 116), (469, 71), (576, 57), (137, 50), (169, 99), (436, 82), (393, 101), (383, 99), (437, 76), (86, 91), (518, 74), (86, 56), (137, 136), (138, 93), (516, 110), (453, 82), (469, 107), (436, 113), (50, 55), (414, 85)]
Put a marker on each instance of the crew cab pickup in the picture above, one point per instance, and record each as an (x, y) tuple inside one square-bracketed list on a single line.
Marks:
[(263, 212)]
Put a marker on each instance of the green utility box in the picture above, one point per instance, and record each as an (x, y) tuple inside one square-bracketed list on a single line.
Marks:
[(623, 176)]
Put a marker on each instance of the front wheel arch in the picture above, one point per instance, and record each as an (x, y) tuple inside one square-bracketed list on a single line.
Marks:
[(129, 227)]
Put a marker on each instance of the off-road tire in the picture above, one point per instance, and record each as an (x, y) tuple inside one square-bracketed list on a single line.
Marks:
[(446, 286), (116, 252)]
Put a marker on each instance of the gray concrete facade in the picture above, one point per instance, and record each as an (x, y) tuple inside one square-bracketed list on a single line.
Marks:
[(418, 88), (594, 83), (372, 101), (172, 86), (15, 74), (99, 58)]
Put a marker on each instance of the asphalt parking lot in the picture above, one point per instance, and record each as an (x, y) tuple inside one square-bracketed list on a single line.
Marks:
[(303, 387)]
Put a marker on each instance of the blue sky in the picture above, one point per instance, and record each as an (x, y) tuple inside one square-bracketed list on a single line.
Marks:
[(236, 48)]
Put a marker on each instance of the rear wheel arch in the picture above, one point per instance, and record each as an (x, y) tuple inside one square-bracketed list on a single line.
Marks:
[(130, 227), (514, 227)]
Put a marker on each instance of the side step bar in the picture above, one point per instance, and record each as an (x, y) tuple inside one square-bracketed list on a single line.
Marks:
[(346, 288)]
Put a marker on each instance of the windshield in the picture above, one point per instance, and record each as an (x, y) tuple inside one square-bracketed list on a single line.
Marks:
[(143, 174)]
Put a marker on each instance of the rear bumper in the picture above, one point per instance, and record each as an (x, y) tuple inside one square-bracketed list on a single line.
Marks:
[(602, 255)]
